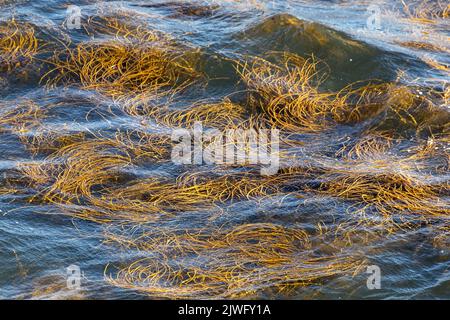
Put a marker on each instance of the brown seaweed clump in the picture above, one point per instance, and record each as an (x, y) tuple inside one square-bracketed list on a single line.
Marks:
[(132, 66), (244, 261), (217, 115), (20, 117), (183, 9), (149, 199), (95, 173), (422, 46), (369, 146), (120, 24), (388, 194), (49, 141), (442, 239), (90, 177), (289, 95), (78, 169), (436, 64), (404, 111), (426, 11), (18, 45), (194, 191)]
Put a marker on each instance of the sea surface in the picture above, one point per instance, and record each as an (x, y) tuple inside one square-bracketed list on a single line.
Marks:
[(357, 40)]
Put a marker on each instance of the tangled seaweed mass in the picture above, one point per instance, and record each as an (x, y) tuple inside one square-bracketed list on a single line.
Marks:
[(86, 118)]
